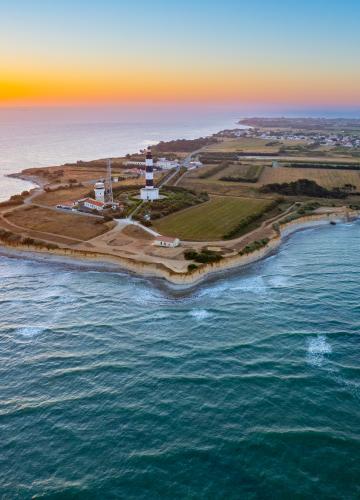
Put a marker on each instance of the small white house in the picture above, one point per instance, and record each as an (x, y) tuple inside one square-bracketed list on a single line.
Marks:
[(165, 164), (167, 241), (92, 204), (66, 205)]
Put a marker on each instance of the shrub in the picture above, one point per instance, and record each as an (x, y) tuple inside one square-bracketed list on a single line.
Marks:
[(183, 145), (14, 238), (51, 246), (190, 254), (255, 245), (246, 221), (203, 257), (303, 187), (192, 267)]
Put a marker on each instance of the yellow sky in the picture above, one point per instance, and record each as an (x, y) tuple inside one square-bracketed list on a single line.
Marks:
[(64, 85)]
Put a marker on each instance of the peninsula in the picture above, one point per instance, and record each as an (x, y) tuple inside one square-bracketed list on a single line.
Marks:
[(187, 208)]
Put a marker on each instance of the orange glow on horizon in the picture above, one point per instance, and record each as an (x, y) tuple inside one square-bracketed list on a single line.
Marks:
[(139, 85)]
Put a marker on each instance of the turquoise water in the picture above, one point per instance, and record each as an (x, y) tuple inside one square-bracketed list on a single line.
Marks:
[(113, 386)]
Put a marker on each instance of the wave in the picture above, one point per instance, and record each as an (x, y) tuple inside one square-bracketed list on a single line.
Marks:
[(200, 314), (317, 349), (30, 331)]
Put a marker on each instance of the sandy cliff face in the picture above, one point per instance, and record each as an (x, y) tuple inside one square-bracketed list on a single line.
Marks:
[(159, 270)]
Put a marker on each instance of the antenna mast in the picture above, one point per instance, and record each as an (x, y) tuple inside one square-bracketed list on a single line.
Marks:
[(109, 191)]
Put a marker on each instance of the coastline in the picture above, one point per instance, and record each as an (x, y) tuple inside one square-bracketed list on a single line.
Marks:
[(177, 279), (33, 179)]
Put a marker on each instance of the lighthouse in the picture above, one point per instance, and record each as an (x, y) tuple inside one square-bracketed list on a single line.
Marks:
[(99, 190), (149, 192)]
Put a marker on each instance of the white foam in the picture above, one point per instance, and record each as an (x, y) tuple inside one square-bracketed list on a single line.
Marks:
[(30, 331), (279, 281), (318, 347), (253, 285), (200, 314)]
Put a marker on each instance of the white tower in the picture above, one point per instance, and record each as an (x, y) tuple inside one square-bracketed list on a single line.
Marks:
[(99, 190), (149, 192)]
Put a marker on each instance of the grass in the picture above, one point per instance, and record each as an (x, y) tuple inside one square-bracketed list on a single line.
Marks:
[(59, 196), (70, 225), (212, 220), (251, 144), (244, 173), (175, 199)]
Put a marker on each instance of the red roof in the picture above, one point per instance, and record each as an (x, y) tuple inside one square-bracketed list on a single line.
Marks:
[(93, 202)]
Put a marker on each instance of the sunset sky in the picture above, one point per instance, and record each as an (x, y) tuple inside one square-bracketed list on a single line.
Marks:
[(284, 52)]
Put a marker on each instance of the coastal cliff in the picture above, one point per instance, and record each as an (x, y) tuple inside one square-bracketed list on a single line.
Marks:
[(159, 270)]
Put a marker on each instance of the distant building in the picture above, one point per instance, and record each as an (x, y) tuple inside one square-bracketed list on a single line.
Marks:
[(66, 205), (195, 164), (161, 163), (149, 192), (165, 164), (167, 241), (135, 163)]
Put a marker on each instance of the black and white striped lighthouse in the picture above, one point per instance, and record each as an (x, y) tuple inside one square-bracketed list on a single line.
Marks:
[(149, 192), (149, 169)]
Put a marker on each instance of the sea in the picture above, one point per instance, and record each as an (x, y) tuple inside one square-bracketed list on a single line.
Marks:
[(116, 386)]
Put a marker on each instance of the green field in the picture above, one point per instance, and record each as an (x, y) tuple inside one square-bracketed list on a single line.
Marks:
[(211, 220)]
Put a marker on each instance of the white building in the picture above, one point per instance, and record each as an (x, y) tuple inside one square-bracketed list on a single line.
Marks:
[(162, 164), (66, 205), (99, 190), (92, 204), (135, 163), (167, 241), (195, 164), (165, 164)]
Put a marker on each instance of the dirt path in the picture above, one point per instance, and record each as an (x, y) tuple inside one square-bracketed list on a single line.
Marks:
[(33, 233)]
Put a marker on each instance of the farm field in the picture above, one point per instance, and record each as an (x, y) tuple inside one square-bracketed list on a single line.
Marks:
[(326, 178), (211, 220), (50, 221), (217, 187), (249, 144)]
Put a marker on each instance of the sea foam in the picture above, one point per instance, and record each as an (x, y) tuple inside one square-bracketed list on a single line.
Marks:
[(200, 314), (30, 331), (318, 347)]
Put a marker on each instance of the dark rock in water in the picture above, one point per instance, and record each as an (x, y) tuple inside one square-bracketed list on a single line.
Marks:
[(333, 223)]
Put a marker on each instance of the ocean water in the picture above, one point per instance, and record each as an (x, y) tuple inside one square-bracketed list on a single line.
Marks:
[(247, 387), (113, 386), (41, 137)]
